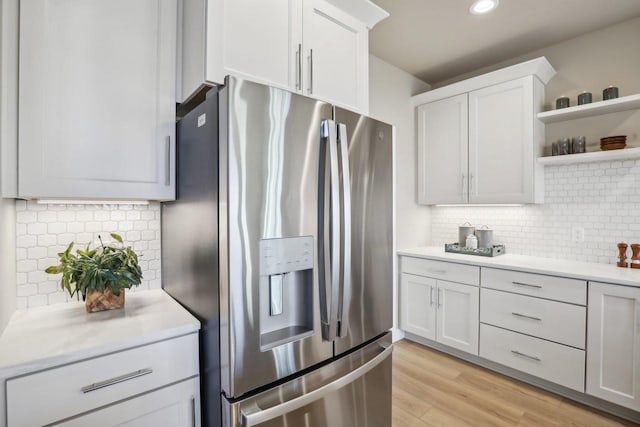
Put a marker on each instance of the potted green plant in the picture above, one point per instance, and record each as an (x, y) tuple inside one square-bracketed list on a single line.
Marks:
[(101, 274)]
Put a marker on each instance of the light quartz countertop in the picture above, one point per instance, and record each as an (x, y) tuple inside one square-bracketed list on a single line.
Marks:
[(44, 337), (554, 267)]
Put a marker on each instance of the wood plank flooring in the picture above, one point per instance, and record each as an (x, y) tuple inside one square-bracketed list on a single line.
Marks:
[(432, 389)]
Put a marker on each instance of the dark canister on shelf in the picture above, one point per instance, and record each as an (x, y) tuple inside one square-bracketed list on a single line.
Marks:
[(610, 93), (562, 102), (585, 98), (579, 144)]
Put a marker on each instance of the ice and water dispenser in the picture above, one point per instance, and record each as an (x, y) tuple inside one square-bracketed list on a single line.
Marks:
[(286, 290)]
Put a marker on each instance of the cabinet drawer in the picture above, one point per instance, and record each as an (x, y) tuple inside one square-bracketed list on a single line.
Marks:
[(538, 285), (551, 320), (449, 271), (550, 361), (79, 387)]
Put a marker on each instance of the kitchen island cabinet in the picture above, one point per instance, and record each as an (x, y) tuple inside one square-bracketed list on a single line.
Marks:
[(137, 363), (97, 99)]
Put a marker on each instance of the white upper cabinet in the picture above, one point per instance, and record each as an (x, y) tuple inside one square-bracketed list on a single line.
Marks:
[(305, 46), (336, 48), (443, 151), (503, 146), (97, 99), (478, 140)]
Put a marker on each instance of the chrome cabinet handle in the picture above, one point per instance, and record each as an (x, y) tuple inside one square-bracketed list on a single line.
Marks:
[(310, 59), (193, 411), (462, 189), (470, 183), (116, 380), (517, 353), (439, 297), (526, 317), (433, 270), (329, 316), (255, 415), (167, 163), (346, 230), (431, 296), (299, 67), (527, 285)]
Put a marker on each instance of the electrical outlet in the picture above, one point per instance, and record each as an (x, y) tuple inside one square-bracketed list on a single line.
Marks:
[(577, 234)]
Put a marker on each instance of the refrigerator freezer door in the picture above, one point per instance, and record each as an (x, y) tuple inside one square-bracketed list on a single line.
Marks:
[(354, 391), (270, 144), (368, 308)]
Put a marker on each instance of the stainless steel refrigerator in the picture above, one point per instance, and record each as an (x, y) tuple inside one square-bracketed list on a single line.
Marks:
[(280, 242)]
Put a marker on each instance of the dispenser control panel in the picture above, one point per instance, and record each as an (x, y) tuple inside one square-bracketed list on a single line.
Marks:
[(284, 255)]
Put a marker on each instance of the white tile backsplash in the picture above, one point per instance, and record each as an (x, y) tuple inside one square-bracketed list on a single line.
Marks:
[(42, 231), (603, 198)]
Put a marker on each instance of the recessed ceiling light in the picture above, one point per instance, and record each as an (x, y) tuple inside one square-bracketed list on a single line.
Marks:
[(480, 7)]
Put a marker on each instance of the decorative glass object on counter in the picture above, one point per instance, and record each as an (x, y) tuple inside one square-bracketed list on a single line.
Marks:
[(495, 250)]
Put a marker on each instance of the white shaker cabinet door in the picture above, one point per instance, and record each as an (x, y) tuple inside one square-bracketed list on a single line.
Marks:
[(418, 307), (613, 344), (177, 405), (336, 56), (501, 145), (443, 151), (458, 316), (260, 41), (97, 99)]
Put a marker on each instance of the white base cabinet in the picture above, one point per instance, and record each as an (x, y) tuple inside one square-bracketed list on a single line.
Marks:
[(613, 344), (440, 310), (177, 405), (97, 99)]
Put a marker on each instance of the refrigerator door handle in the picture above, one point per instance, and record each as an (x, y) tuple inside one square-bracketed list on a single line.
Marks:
[(330, 320), (258, 416), (346, 230)]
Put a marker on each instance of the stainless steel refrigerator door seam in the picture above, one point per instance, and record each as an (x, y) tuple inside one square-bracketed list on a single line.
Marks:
[(264, 415), (346, 231), (328, 135)]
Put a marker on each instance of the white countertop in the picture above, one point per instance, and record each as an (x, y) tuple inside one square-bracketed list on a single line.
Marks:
[(554, 267), (45, 337)]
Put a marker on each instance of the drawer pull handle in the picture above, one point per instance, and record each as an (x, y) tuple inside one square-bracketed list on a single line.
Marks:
[(517, 353), (433, 270), (116, 380), (527, 317), (527, 285)]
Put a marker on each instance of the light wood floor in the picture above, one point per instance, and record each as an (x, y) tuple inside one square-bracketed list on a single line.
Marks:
[(431, 389)]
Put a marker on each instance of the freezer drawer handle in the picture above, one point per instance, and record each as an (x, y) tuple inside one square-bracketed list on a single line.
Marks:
[(116, 380), (259, 416)]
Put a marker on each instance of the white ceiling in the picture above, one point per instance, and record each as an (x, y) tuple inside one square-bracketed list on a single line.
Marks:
[(439, 39)]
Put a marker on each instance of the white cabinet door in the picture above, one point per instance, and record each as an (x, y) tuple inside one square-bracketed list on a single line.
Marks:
[(173, 406), (613, 344), (458, 316), (97, 99), (443, 151), (261, 40), (501, 146), (336, 56), (418, 309)]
